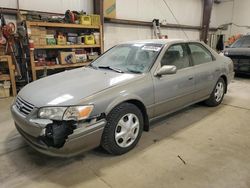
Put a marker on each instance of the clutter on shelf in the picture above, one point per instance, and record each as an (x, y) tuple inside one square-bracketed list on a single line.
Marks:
[(72, 40)]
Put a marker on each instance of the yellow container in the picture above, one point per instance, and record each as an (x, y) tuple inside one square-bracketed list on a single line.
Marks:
[(95, 19), (89, 39), (61, 40), (85, 20)]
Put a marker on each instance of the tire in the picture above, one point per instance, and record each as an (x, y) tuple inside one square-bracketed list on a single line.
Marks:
[(217, 95), (122, 124)]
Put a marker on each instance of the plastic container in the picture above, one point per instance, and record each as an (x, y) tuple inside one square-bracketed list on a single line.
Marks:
[(89, 39), (95, 19), (31, 44), (85, 20), (97, 38)]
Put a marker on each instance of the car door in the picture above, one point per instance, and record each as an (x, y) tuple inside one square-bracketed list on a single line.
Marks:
[(205, 70), (174, 91)]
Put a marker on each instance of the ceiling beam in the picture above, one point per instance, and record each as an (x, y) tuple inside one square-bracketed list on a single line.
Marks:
[(150, 24), (207, 10)]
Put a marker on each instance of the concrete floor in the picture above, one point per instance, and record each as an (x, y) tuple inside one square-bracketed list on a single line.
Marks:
[(214, 144)]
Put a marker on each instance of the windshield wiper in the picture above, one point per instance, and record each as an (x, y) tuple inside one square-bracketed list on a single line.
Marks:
[(134, 71), (111, 68)]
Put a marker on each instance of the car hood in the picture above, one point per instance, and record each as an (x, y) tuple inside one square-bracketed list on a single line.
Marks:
[(69, 87), (237, 51)]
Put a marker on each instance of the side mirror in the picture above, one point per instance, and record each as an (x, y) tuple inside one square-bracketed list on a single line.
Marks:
[(166, 69)]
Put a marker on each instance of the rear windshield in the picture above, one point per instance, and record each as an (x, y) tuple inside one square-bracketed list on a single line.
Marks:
[(243, 42)]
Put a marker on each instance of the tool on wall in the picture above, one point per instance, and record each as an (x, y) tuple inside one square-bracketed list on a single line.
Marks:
[(2, 23), (156, 28), (8, 31)]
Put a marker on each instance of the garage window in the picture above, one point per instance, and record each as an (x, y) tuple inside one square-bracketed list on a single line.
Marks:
[(200, 54)]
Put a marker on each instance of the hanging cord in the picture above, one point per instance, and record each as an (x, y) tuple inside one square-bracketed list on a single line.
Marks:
[(230, 31), (176, 20)]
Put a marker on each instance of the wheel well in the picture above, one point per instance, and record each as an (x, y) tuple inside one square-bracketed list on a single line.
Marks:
[(142, 108), (225, 80)]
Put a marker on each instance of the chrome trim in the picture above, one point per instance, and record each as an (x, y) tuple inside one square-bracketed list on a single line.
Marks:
[(23, 106)]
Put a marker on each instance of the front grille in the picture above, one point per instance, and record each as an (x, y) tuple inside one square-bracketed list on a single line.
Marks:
[(23, 106)]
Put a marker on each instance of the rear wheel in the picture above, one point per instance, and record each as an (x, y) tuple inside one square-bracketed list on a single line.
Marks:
[(217, 95), (123, 130)]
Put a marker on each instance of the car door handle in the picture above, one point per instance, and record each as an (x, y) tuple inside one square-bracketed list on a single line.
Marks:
[(191, 78)]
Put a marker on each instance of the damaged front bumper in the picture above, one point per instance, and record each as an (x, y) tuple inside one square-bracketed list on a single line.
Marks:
[(82, 138)]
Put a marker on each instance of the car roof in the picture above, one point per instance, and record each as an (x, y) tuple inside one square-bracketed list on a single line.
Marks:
[(159, 41)]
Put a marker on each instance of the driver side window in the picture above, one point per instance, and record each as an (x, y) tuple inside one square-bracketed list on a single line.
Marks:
[(176, 55)]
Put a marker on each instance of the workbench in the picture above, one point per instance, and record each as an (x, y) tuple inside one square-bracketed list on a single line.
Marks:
[(11, 76)]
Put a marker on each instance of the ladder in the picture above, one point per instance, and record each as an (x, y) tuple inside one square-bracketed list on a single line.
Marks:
[(156, 29)]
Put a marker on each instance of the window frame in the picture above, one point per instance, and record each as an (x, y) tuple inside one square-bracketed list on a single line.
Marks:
[(204, 48)]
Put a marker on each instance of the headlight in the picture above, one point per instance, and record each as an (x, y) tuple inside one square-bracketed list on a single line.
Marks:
[(78, 112), (53, 113), (65, 113)]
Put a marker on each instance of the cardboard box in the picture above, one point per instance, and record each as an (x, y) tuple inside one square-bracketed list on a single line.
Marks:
[(67, 57), (42, 41), (51, 32), (109, 8), (80, 58), (35, 40), (42, 31), (34, 30), (38, 31), (5, 89)]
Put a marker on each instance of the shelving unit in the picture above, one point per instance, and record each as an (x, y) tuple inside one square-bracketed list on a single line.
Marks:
[(60, 66), (67, 46), (11, 76), (78, 27)]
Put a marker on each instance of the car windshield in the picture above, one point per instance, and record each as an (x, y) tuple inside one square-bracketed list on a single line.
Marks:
[(133, 58), (243, 42)]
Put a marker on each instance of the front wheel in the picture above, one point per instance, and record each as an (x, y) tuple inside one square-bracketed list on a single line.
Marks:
[(123, 130), (217, 95)]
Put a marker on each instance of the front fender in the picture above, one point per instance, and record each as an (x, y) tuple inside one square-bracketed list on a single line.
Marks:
[(123, 97)]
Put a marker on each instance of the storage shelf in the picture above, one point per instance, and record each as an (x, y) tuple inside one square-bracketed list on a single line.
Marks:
[(4, 77), (62, 66), (63, 25), (67, 46), (6, 59)]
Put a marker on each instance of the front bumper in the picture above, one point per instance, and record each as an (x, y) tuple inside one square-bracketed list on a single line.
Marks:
[(82, 139)]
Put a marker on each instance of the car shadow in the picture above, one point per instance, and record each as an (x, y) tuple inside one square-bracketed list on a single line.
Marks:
[(26, 163)]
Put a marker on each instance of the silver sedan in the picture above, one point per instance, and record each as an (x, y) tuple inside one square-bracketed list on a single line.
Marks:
[(111, 102)]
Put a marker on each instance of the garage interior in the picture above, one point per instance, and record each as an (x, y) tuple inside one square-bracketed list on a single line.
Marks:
[(197, 146)]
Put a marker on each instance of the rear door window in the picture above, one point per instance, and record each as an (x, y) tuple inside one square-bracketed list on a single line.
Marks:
[(200, 54)]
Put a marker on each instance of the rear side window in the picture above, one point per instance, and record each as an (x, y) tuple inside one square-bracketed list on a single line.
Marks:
[(200, 54)]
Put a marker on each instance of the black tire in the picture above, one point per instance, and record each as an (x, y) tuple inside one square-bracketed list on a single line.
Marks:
[(109, 142), (212, 101)]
